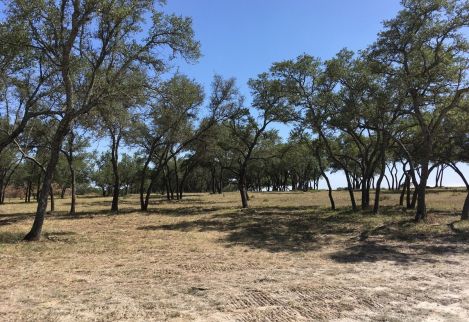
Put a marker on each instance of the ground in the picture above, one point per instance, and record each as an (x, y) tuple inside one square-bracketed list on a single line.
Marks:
[(288, 258)]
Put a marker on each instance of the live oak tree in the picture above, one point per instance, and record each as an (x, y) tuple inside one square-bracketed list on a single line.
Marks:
[(166, 128), (115, 118), (101, 174), (308, 88), (317, 150), (246, 130), (426, 53), (169, 127), (92, 45), (453, 147)]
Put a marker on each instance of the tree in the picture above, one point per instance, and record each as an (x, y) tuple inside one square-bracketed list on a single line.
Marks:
[(115, 119), (101, 175), (75, 155), (308, 88), (426, 53), (169, 126), (92, 46), (169, 122), (246, 132), (453, 146)]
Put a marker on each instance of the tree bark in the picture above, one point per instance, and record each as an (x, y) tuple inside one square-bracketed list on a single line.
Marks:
[(421, 213), (2, 189), (381, 176), (365, 203), (30, 190), (36, 229), (404, 189), (244, 197), (115, 171), (73, 192), (142, 184), (350, 191), (176, 175), (243, 189), (52, 200), (220, 181)]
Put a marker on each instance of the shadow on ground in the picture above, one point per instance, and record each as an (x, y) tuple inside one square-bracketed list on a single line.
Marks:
[(360, 236), (7, 237), (296, 229)]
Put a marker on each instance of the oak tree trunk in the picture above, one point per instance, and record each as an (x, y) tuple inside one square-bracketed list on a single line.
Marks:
[(36, 229)]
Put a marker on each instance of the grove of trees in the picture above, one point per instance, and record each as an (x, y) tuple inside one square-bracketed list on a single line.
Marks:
[(76, 71)]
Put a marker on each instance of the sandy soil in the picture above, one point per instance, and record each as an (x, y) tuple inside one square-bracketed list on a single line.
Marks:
[(204, 259)]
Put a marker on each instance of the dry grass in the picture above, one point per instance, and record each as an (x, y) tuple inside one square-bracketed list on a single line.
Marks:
[(288, 258)]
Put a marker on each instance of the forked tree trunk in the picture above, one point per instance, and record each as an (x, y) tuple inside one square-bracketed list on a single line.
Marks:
[(143, 178), (146, 201), (30, 190)]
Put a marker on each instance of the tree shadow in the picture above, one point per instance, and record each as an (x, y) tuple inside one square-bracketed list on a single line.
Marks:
[(373, 251), (182, 211), (7, 237), (11, 219), (299, 228), (401, 242), (369, 251), (275, 231)]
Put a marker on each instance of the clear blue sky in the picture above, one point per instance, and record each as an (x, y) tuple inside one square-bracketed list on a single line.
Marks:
[(241, 38)]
